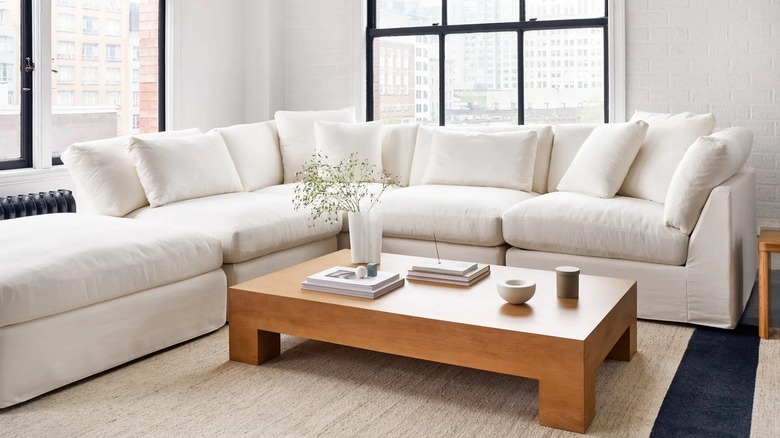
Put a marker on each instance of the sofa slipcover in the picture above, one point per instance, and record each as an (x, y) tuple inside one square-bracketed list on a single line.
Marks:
[(618, 228), (247, 224), (96, 259)]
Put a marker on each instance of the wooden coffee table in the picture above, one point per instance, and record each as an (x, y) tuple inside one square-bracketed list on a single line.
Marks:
[(560, 342)]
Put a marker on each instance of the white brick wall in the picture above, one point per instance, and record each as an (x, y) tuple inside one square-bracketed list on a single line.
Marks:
[(718, 56), (322, 54)]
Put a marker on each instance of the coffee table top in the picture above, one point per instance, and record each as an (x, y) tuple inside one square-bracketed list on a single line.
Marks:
[(479, 305)]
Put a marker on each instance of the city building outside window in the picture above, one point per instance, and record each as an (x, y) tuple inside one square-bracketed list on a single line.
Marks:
[(86, 93), (488, 62)]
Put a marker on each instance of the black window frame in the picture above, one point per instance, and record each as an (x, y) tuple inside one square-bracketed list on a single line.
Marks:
[(27, 89), (443, 29)]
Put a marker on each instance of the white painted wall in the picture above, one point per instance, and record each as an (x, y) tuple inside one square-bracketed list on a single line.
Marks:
[(264, 59), (205, 74), (713, 56)]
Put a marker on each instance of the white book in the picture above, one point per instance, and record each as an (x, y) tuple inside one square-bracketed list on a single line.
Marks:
[(481, 269), (450, 267), (353, 293), (455, 281), (345, 278)]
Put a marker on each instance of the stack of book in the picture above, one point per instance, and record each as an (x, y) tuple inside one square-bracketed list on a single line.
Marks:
[(449, 272), (344, 281)]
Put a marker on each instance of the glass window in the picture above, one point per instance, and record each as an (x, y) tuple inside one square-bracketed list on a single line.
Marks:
[(487, 78), (90, 4), (90, 25), (406, 13), (66, 49), (114, 98), (113, 52), (399, 90), (470, 11), (7, 44), (65, 74), (89, 51), (89, 97), (65, 98), (6, 73), (109, 73), (113, 75)]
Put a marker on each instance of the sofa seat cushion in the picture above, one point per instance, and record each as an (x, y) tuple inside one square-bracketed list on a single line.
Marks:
[(60, 262), (457, 214), (249, 225), (618, 228)]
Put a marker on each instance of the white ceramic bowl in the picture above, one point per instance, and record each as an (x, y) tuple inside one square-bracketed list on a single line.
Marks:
[(516, 290)]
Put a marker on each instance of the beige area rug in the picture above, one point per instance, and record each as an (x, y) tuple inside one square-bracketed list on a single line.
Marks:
[(320, 389), (766, 398)]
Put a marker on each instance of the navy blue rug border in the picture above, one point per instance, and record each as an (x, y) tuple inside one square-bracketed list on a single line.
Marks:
[(711, 393)]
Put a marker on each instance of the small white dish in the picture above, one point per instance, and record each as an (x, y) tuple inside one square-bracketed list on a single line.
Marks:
[(516, 290)]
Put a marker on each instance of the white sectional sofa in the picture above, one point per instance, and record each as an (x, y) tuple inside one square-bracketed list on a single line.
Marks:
[(660, 199), (693, 254), (81, 294)]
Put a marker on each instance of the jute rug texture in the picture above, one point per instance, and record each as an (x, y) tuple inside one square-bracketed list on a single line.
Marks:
[(320, 389)]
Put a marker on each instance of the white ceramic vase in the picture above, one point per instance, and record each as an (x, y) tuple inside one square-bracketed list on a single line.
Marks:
[(365, 235)]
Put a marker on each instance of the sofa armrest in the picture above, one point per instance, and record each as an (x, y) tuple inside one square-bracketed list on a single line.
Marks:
[(723, 253)]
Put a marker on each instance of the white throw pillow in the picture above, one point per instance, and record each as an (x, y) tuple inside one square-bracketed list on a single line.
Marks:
[(254, 149), (337, 141), (296, 135), (603, 160), (422, 149), (668, 136), (706, 164), (568, 140), (398, 149), (488, 160), (104, 175), (175, 169)]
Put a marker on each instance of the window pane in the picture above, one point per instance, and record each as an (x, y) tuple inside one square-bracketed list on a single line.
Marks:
[(111, 89), (10, 52), (564, 76), (406, 13), (406, 71), (481, 78), (482, 11), (556, 9)]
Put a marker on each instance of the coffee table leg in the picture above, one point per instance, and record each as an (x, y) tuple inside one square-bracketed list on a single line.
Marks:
[(569, 401), (625, 347), (252, 346)]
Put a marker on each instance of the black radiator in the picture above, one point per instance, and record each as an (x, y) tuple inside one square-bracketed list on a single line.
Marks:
[(61, 201)]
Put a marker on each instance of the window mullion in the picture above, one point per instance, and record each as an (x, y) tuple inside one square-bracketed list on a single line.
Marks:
[(40, 142)]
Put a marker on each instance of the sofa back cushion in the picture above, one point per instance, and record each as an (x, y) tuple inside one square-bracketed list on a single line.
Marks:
[(422, 150), (706, 164), (398, 142), (668, 136), (254, 148), (337, 141), (567, 141), (104, 175), (503, 160), (296, 135), (602, 162), (179, 168)]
